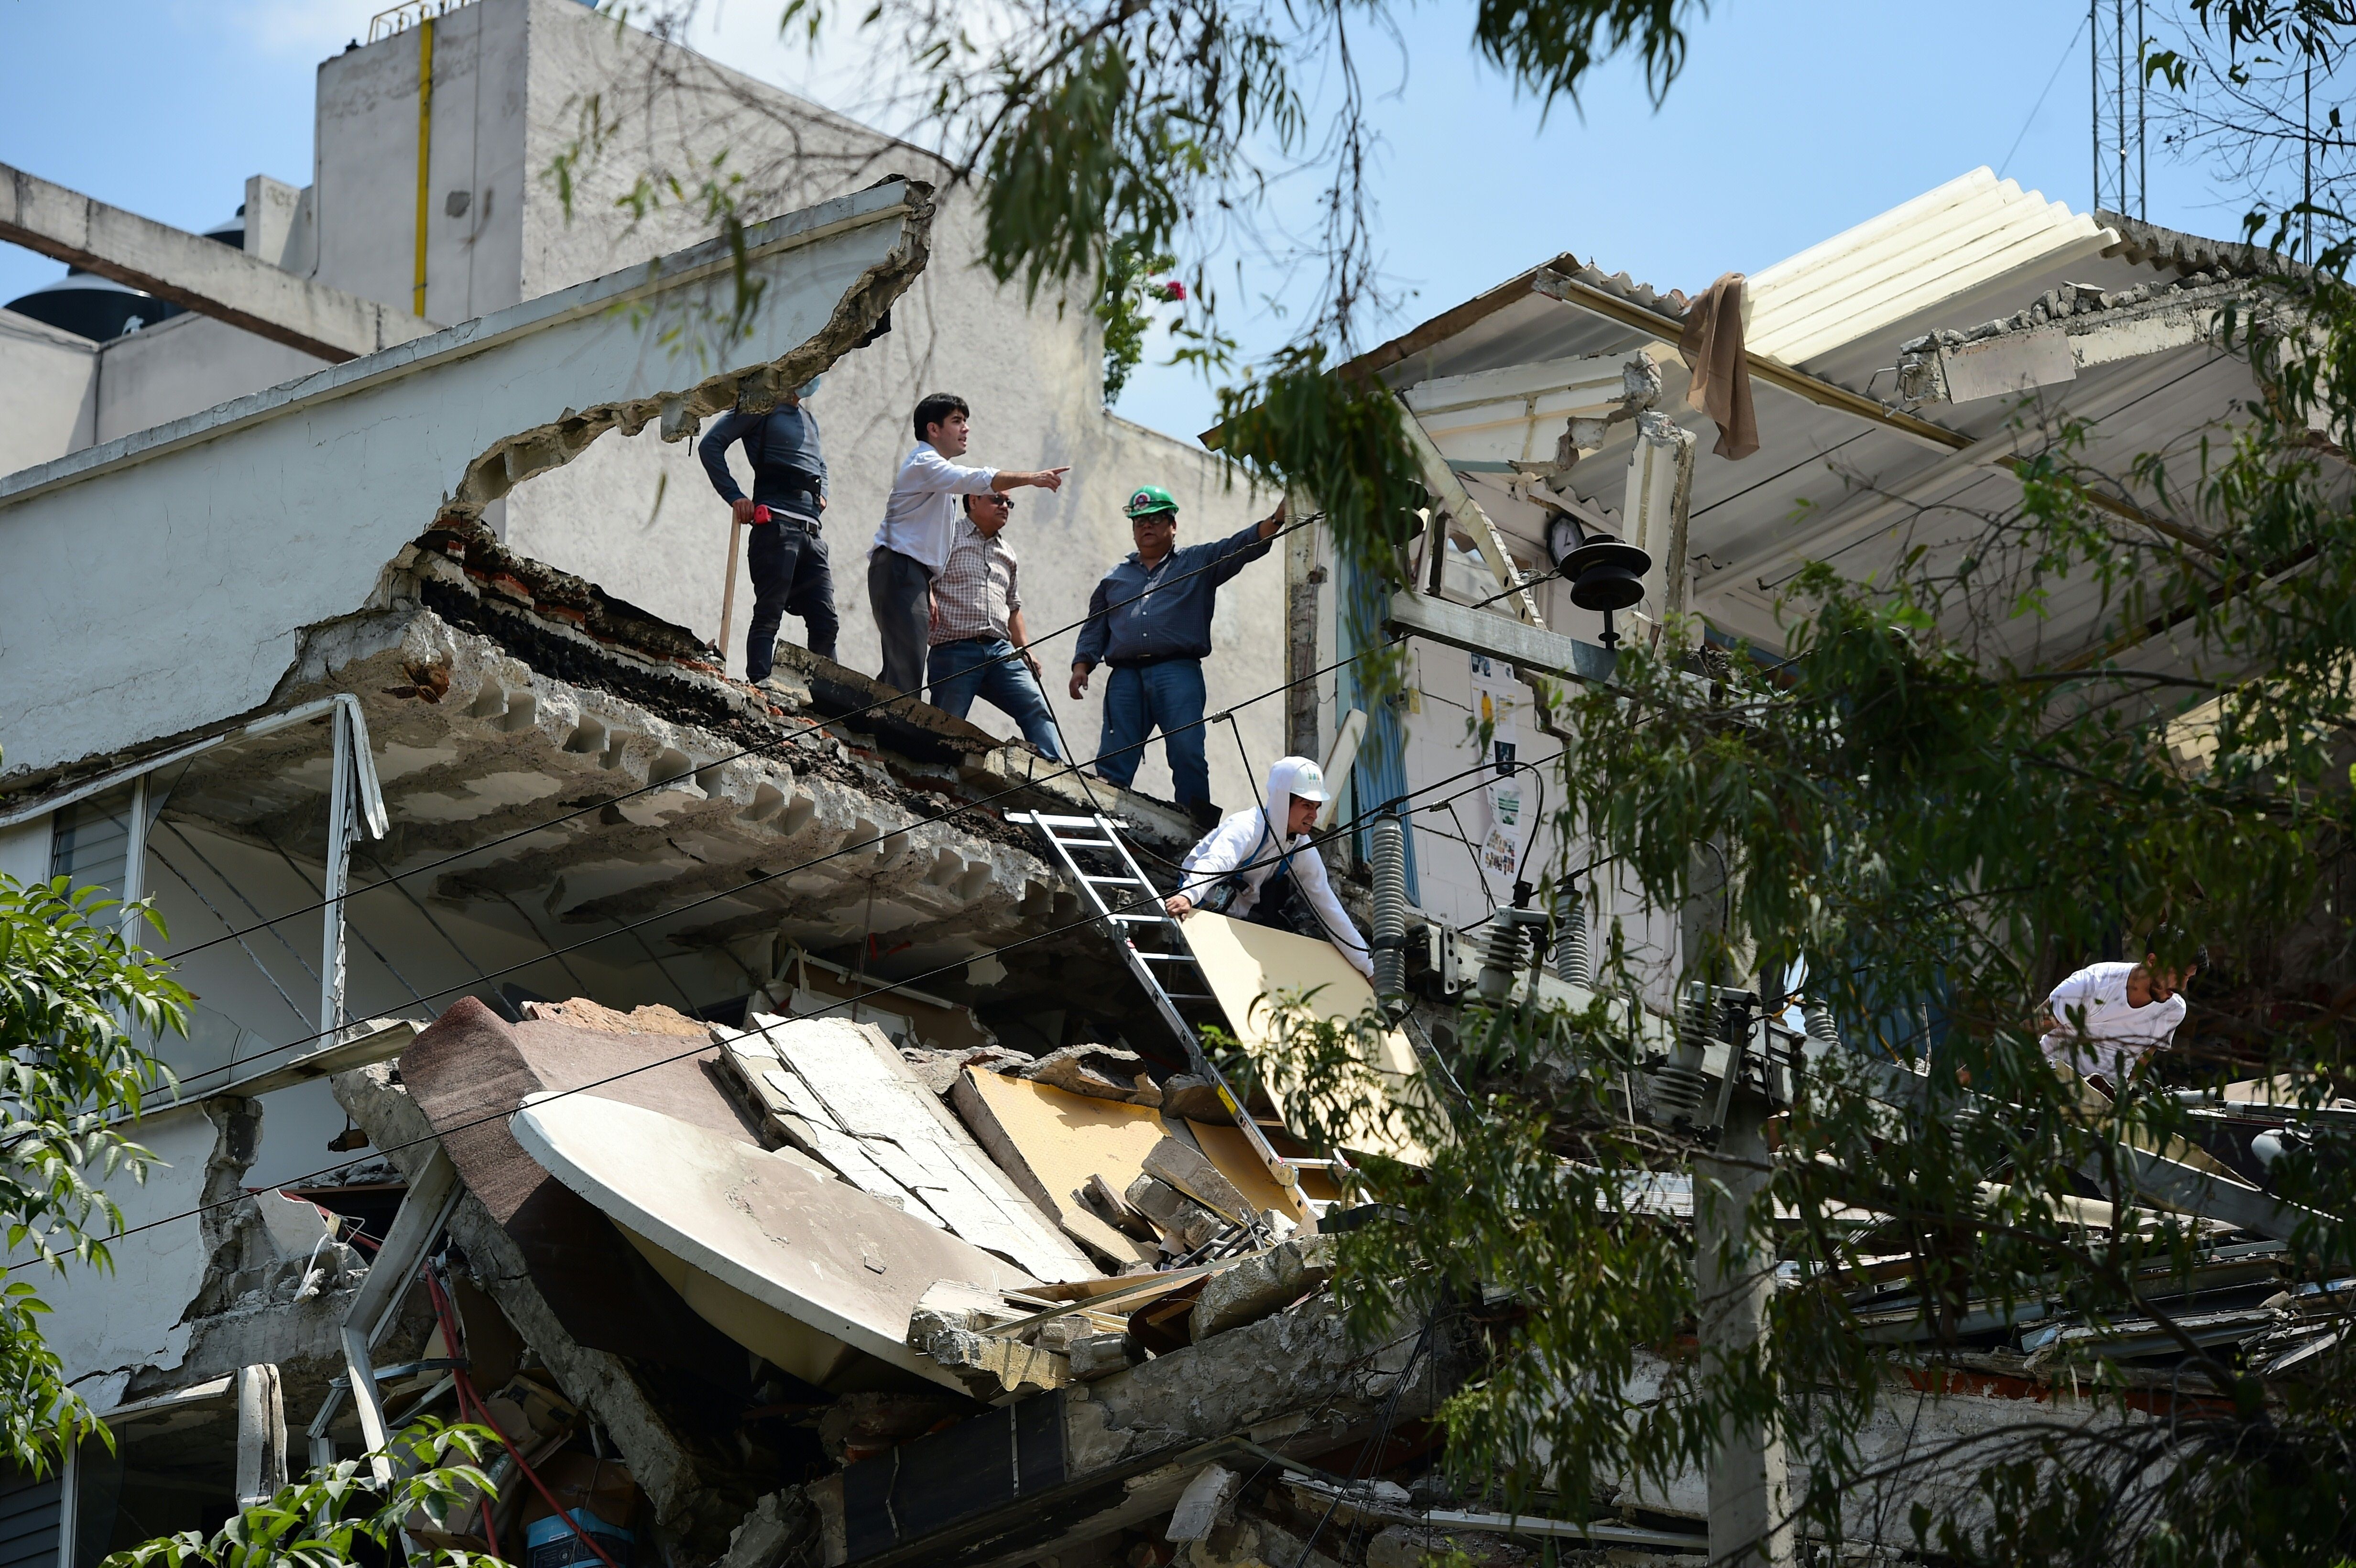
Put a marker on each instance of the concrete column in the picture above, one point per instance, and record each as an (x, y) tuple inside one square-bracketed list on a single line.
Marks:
[(261, 1435), (1734, 1268)]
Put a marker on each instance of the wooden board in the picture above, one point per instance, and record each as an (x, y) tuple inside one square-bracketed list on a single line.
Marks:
[(1060, 1140), (1225, 1145), (1248, 966)]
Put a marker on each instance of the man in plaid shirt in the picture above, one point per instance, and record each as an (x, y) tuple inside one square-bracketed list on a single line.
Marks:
[(979, 646)]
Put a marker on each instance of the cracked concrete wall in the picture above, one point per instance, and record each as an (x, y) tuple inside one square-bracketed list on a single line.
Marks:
[(106, 1334), (639, 517), (255, 521)]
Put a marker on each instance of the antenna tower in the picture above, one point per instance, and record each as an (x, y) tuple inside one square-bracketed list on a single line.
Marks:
[(2118, 82)]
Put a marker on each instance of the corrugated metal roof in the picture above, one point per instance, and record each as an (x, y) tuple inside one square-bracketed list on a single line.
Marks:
[(1942, 244), (1838, 483)]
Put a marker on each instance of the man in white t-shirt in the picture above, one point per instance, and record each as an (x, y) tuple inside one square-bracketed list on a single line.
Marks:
[(2103, 1021)]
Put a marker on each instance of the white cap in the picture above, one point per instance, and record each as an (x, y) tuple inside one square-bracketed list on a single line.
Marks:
[(1309, 781)]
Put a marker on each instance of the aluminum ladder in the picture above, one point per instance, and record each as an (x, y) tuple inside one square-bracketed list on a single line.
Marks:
[(1129, 909)]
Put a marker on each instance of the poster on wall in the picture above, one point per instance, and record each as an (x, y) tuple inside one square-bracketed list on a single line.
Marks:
[(1497, 701)]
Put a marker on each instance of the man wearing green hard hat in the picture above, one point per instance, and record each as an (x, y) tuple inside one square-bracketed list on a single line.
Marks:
[(1149, 619)]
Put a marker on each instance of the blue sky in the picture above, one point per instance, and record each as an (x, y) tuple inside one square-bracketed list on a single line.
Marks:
[(1793, 120)]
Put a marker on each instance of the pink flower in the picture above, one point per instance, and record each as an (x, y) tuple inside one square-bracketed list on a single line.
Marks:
[(1172, 292)]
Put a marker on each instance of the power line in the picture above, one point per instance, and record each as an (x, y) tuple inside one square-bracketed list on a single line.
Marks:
[(2068, 49), (650, 786), (767, 877), (1335, 832)]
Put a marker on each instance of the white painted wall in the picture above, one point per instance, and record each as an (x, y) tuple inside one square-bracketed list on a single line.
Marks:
[(103, 1332), (255, 521), (25, 850), (48, 391), (365, 166), (182, 367)]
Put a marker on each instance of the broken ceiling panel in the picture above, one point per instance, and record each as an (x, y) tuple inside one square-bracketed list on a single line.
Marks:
[(844, 1094), (800, 1268), (470, 1068)]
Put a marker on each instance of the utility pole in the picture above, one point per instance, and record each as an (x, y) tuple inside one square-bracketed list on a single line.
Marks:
[(1734, 1268), (1734, 1247)]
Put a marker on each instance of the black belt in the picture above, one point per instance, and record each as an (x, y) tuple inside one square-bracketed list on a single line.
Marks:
[(1153, 659), (804, 517)]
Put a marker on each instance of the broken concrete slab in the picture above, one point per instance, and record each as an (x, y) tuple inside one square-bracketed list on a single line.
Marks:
[(1185, 1168), (470, 1068), (775, 1531), (1094, 1356), (1260, 1285), (694, 1472), (1104, 1072), (994, 1368), (856, 1101), (1081, 1463), (1207, 1502), (1185, 1223), (1196, 1099)]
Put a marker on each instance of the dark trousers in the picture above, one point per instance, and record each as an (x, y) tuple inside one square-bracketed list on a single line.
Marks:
[(1141, 698), (900, 593), (791, 576)]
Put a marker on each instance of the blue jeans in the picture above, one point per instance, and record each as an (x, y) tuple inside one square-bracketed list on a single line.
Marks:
[(1140, 698), (988, 667)]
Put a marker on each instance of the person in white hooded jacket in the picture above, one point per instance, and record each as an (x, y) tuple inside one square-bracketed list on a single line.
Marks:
[(1260, 858)]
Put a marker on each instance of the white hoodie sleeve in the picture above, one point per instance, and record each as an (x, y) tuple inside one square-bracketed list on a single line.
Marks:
[(1309, 870), (1220, 851)]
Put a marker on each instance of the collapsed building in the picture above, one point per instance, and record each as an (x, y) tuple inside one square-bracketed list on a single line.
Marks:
[(766, 1105)]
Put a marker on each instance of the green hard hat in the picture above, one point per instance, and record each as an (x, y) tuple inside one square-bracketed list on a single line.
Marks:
[(1150, 499)]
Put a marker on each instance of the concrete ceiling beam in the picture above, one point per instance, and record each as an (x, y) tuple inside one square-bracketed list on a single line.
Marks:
[(202, 274)]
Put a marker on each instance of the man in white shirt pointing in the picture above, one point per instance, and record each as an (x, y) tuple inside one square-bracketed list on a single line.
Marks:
[(919, 523), (2103, 1021)]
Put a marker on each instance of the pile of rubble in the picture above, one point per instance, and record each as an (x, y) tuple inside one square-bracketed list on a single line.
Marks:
[(829, 1289)]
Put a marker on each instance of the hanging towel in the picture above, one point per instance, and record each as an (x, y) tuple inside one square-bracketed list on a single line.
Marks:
[(1712, 347)]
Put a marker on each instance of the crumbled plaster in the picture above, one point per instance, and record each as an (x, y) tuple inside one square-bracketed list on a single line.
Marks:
[(518, 457), (2081, 306)]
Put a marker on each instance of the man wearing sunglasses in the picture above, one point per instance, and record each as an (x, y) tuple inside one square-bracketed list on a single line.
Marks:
[(980, 647)]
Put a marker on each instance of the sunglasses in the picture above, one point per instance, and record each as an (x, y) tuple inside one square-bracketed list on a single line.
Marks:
[(993, 498)]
